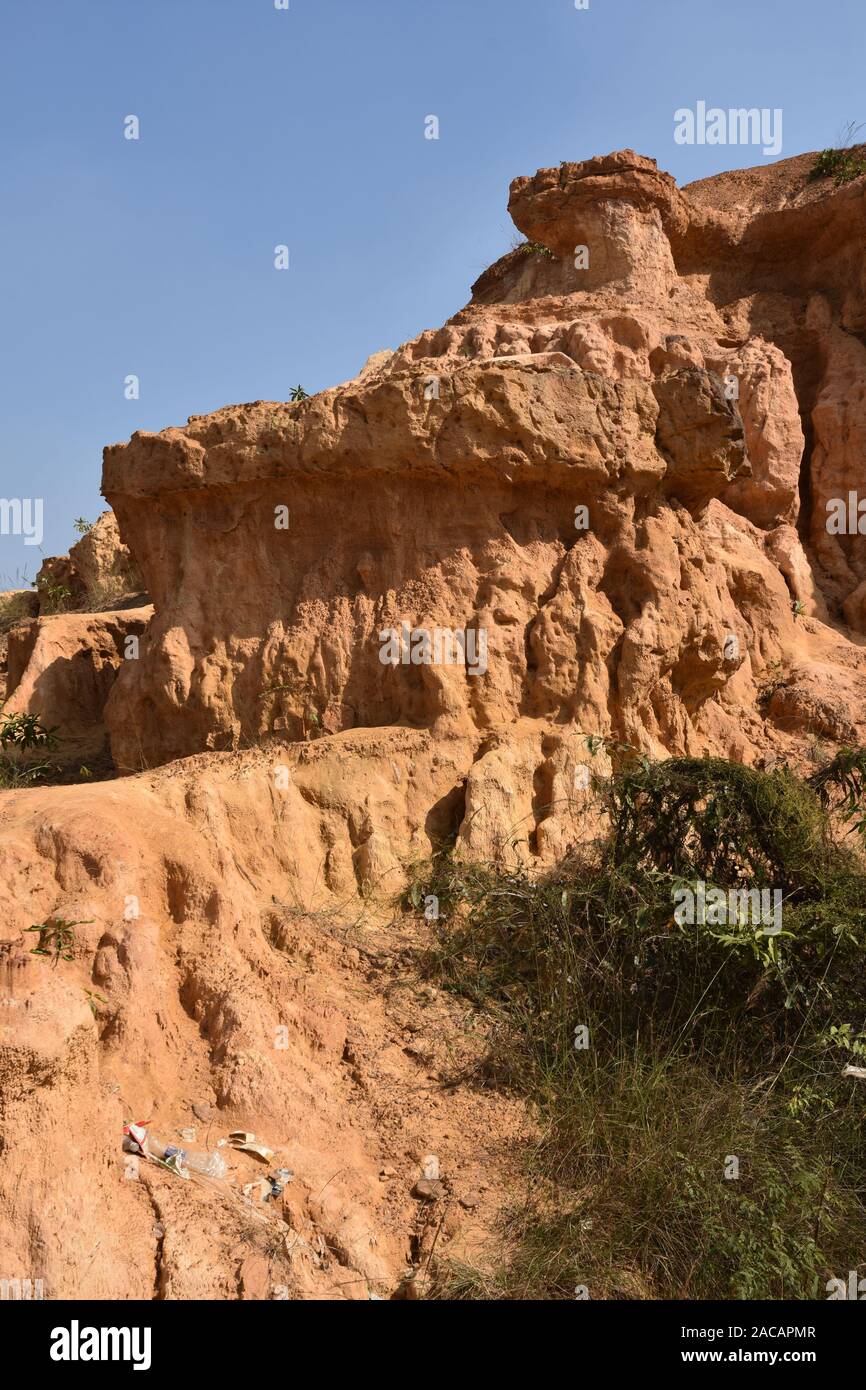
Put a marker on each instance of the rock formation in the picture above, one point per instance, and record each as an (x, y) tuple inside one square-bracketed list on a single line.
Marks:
[(611, 471), (618, 473)]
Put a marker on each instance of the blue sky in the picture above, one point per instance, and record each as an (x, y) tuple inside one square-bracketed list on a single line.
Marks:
[(306, 128)]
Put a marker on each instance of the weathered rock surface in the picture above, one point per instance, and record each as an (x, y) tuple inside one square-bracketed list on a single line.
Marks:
[(619, 474), (215, 961), (63, 667), (692, 390), (97, 573)]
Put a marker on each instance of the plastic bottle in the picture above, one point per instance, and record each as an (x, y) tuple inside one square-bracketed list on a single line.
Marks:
[(212, 1165)]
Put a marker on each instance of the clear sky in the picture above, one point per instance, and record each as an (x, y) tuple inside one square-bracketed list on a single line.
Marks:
[(306, 127)]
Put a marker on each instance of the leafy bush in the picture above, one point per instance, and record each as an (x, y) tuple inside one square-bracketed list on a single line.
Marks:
[(20, 735), (702, 1043), (22, 731)]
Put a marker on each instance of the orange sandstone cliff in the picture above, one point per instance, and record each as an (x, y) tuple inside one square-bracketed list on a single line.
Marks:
[(614, 468)]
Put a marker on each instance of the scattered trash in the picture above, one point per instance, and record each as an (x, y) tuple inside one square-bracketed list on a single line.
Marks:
[(278, 1181), (137, 1140), (258, 1191), (260, 1150), (212, 1165), (174, 1163), (855, 1071), (430, 1167), (240, 1139)]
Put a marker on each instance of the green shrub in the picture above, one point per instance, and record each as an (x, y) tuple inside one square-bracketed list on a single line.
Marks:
[(703, 1042), (24, 731), (840, 165)]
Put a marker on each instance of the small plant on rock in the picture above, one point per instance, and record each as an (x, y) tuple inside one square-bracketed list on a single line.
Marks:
[(56, 938), (53, 598)]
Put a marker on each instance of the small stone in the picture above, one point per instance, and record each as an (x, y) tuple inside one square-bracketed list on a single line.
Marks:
[(430, 1167), (471, 1200), (429, 1190), (202, 1111)]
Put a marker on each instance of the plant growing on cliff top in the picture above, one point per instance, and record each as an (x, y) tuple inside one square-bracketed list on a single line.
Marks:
[(532, 248), (82, 526), (298, 393), (839, 164), (697, 1137)]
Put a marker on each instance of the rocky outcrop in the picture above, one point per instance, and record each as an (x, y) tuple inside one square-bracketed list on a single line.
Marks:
[(613, 465), (63, 667), (97, 574), (15, 606)]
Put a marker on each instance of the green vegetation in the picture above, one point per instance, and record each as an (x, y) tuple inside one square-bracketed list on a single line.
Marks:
[(841, 785), (53, 597), (532, 248), (22, 731), (20, 736), (696, 1135), (298, 393), (57, 938), (840, 165)]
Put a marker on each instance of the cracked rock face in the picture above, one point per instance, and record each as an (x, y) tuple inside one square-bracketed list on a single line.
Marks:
[(614, 481), (614, 477)]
